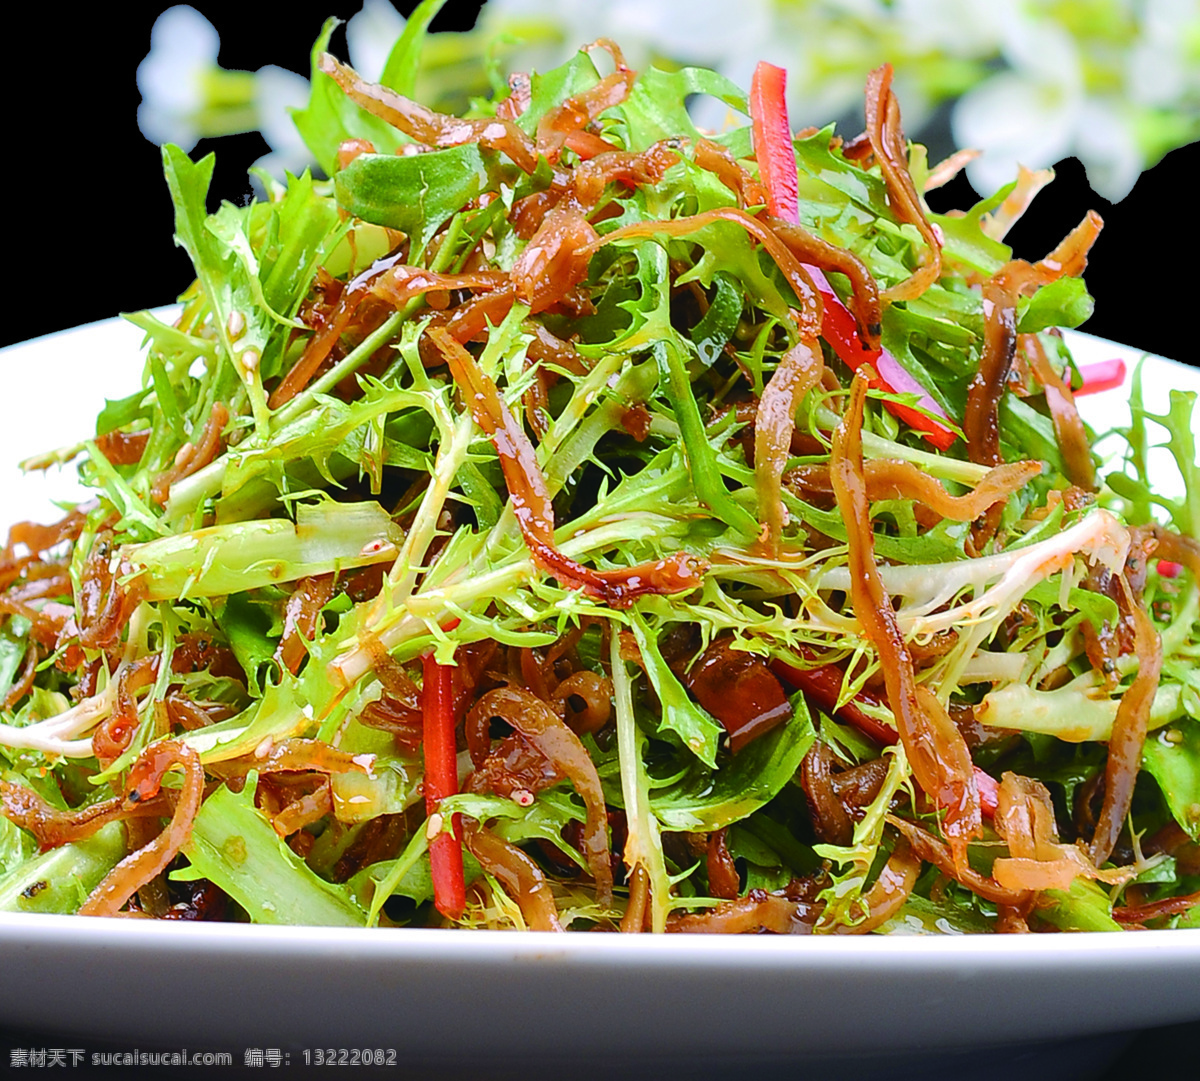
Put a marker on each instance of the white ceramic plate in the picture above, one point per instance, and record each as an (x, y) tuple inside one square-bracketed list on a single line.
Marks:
[(584, 1001)]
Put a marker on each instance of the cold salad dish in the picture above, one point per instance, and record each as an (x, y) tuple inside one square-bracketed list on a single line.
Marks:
[(562, 518)]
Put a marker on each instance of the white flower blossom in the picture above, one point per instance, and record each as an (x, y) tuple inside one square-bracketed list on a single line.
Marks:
[(1116, 84), (959, 28), (187, 95), (1158, 64), (276, 92), (183, 50), (370, 36), (1026, 114), (1106, 143), (1040, 111)]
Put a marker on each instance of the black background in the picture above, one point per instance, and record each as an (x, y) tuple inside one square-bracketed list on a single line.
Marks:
[(89, 221)]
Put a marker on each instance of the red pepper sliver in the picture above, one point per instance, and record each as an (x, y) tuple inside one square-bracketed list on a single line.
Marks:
[(441, 780), (777, 170), (840, 331), (823, 685), (1103, 375), (989, 792), (773, 141), (933, 432)]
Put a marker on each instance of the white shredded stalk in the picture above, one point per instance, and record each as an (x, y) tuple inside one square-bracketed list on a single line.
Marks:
[(989, 667), (1081, 711), (929, 587), (56, 735), (643, 845)]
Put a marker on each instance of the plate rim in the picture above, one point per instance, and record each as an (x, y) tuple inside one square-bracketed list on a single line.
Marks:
[(1100, 964)]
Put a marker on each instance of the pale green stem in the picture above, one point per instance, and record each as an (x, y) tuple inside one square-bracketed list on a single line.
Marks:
[(460, 590), (936, 465), (220, 560), (643, 847), (257, 396), (417, 846)]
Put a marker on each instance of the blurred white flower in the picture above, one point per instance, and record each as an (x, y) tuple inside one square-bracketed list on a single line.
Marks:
[(183, 50), (1040, 111), (187, 95), (827, 52), (691, 30), (370, 36), (960, 28), (1026, 114), (1162, 64), (1116, 83), (1106, 142), (276, 92), (1013, 121)]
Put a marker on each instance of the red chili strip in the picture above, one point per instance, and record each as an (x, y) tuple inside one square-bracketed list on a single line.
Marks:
[(1103, 375), (840, 330), (777, 169), (773, 141), (441, 780)]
